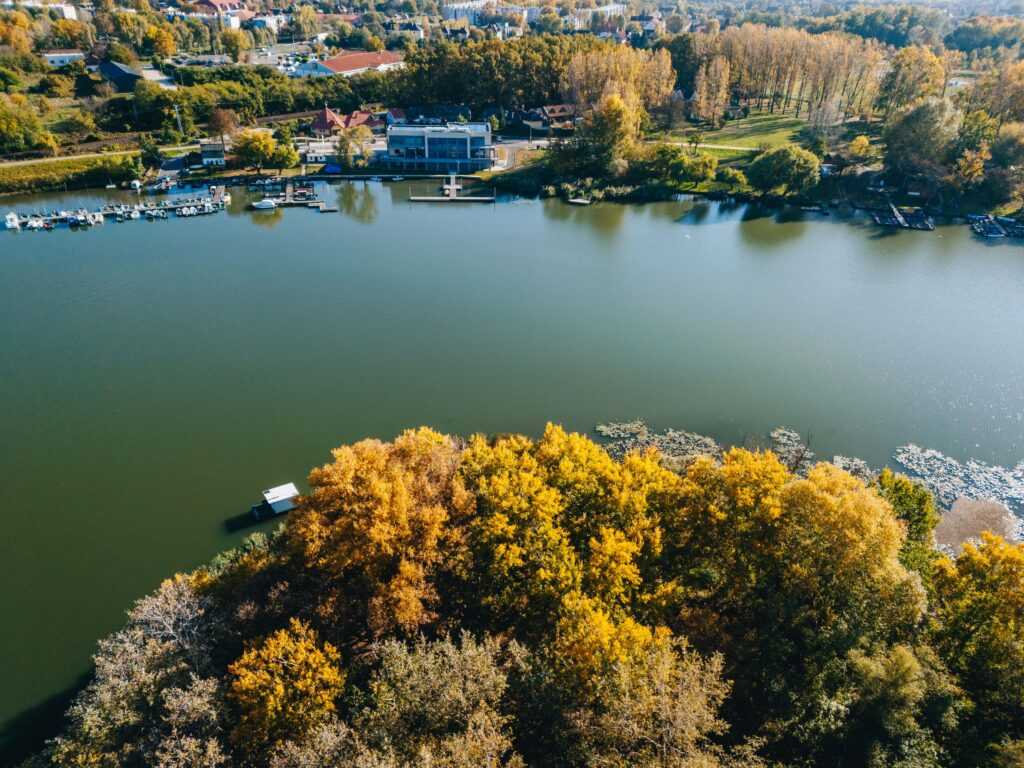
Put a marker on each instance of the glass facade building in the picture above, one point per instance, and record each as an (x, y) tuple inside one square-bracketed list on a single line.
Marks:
[(450, 148)]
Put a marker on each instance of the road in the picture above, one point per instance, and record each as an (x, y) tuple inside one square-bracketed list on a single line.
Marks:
[(117, 153)]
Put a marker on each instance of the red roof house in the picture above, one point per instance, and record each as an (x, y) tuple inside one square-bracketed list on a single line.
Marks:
[(354, 62), (327, 121)]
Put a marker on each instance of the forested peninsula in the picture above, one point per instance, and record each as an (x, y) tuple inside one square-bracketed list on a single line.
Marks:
[(435, 601)]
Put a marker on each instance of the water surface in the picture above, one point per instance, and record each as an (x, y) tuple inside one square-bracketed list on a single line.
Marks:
[(154, 376)]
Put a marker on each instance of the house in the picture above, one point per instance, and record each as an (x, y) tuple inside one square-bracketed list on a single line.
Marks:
[(275, 22), (650, 23), (61, 58), (370, 120), (214, 152), (119, 75), (321, 152), (351, 63), (559, 115), (448, 148), (64, 10), (326, 122)]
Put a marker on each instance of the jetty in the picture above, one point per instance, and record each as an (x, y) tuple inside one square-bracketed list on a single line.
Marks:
[(904, 218), (451, 188)]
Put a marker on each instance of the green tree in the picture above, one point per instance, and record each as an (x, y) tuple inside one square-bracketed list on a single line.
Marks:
[(285, 156), (149, 152), (787, 170), (914, 505), (918, 140)]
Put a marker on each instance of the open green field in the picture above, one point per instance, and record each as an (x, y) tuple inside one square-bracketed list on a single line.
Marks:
[(759, 129)]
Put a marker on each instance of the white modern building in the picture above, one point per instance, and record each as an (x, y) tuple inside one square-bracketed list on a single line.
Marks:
[(448, 148), (62, 58), (472, 10)]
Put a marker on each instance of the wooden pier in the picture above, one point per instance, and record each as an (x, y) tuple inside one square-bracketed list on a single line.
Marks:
[(451, 194)]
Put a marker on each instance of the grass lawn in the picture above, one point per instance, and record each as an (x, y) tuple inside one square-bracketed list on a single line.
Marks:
[(760, 128)]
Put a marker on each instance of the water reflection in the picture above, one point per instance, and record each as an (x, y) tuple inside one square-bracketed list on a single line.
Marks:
[(357, 201), (603, 219)]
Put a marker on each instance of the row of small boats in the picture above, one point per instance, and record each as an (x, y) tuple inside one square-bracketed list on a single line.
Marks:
[(993, 227), (84, 218)]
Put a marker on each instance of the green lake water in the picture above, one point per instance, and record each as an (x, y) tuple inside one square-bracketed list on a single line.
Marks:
[(155, 376)]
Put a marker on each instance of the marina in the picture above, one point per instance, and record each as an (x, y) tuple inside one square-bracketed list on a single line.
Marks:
[(450, 194), (83, 218)]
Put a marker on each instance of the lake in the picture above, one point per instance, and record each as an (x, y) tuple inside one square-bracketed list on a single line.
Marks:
[(155, 376)]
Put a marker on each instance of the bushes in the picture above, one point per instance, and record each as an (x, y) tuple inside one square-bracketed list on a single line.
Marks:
[(67, 174)]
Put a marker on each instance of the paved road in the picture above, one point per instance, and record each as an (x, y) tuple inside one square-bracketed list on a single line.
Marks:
[(59, 158)]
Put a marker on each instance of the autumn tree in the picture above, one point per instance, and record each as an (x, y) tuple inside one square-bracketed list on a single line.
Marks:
[(979, 613), (235, 42), (711, 92), (659, 710), (222, 123), (915, 72), (785, 576), (255, 148), (283, 686), (379, 525)]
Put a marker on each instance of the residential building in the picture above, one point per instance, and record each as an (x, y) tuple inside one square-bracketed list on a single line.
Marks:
[(376, 122), (61, 58), (65, 10), (119, 75), (449, 148), (327, 121), (472, 10), (214, 152), (321, 152), (351, 63)]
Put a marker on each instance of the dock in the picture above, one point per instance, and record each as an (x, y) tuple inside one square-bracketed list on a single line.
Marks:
[(451, 189)]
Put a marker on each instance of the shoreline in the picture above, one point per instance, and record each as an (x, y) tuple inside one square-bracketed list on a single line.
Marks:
[(955, 485)]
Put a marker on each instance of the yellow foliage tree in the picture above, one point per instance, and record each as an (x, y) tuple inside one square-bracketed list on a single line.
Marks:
[(979, 609), (379, 521), (284, 686)]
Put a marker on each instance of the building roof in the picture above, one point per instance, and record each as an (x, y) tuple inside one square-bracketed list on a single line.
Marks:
[(280, 493), (351, 61), (327, 120), (62, 52), (361, 117), (559, 110)]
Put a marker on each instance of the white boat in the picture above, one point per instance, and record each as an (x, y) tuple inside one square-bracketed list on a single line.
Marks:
[(266, 204), (226, 199), (11, 221), (398, 178), (95, 218), (376, 178), (34, 223), (134, 214)]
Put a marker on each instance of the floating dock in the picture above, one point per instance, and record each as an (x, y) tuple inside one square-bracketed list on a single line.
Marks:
[(451, 194)]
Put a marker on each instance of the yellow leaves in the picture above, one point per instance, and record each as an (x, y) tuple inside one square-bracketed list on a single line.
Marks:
[(589, 641), (980, 597), (753, 481), (284, 686), (382, 513), (611, 572)]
